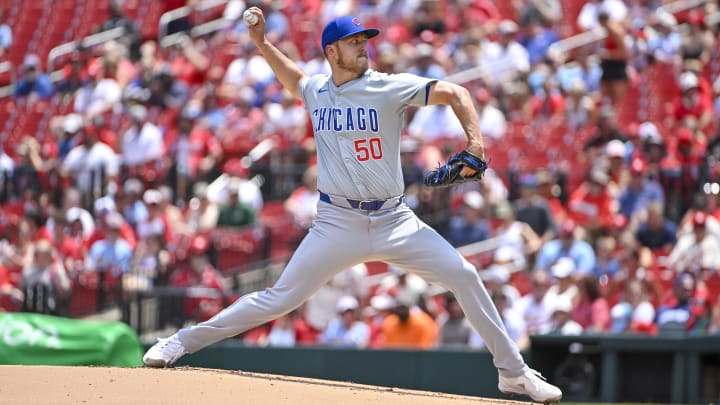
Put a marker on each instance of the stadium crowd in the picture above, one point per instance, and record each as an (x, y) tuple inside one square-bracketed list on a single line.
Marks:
[(148, 157)]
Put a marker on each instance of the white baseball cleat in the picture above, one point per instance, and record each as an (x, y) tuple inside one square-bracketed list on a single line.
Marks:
[(532, 384), (164, 353)]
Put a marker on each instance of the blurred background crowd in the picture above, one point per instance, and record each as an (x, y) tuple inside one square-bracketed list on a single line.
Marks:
[(154, 165)]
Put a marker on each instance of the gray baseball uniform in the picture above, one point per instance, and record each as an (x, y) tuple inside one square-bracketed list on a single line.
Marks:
[(361, 216)]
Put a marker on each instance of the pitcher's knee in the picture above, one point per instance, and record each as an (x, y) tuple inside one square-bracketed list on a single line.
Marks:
[(277, 302), (462, 276)]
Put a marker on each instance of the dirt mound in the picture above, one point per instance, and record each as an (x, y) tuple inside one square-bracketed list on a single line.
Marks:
[(184, 385)]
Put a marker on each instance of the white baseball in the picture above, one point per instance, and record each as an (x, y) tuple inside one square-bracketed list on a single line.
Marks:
[(250, 18)]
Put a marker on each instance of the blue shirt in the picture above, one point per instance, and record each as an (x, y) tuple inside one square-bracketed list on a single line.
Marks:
[(107, 255), (653, 239), (42, 86), (580, 251), (337, 334), (631, 201), (537, 46), (461, 232)]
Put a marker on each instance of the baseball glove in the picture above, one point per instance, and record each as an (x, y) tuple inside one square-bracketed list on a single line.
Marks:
[(449, 173)]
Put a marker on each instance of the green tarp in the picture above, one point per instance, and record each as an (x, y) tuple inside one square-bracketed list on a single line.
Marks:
[(35, 339)]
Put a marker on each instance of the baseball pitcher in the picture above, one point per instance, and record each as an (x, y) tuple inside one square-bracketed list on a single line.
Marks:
[(357, 115)]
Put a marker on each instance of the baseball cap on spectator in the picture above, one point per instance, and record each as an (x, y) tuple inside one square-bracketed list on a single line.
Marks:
[(563, 267), (382, 302), (31, 61), (647, 129), (104, 205), (72, 123), (344, 27), (346, 303), (507, 27), (199, 245), (688, 81), (152, 196), (474, 199), (698, 219), (615, 148)]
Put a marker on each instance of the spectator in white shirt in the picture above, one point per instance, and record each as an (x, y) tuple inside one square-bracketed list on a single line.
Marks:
[(345, 330), (434, 123), (91, 162), (505, 59), (102, 92), (698, 250), (536, 307), (492, 120), (143, 141), (588, 17)]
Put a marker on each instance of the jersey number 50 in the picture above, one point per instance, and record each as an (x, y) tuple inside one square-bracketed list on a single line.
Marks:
[(368, 148)]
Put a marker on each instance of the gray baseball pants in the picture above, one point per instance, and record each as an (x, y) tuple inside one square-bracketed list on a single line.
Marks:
[(342, 237)]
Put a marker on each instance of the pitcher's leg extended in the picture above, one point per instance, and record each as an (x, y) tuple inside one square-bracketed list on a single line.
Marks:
[(316, 260), (426, 253)]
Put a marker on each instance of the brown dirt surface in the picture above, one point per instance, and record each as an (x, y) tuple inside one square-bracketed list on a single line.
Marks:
[(185, 385)]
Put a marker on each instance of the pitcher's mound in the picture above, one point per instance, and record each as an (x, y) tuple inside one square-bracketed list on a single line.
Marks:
[(184, 385)]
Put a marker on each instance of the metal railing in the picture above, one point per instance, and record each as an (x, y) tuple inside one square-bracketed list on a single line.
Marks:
[(183, 12), (7, 67), (87, 42), (559, 49)]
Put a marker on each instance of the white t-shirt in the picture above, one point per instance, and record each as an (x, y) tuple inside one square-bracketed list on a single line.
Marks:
[(492, 122), (138, 149), (434, 122), (498, 62), (81, 162)]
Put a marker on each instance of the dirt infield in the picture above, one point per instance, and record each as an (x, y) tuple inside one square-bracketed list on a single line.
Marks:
[(183, 385)]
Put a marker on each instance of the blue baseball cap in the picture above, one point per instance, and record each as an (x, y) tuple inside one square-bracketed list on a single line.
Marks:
[(344, 27)]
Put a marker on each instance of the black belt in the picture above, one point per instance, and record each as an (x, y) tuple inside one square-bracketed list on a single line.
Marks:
[(363, 205)]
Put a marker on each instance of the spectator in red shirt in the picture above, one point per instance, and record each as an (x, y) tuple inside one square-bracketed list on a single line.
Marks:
[(193, 148), (591, 205), (243, 123), (692, 104), (548, 103), (591, 310), (10, 296), (187, 63), (200, 273)]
